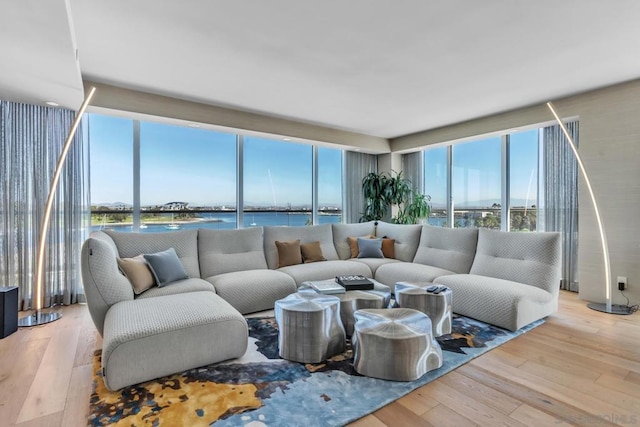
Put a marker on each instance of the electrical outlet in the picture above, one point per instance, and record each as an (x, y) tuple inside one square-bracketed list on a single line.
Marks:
[(622, 283)]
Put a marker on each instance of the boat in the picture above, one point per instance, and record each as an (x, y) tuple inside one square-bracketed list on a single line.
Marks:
[(173, 225), (253, 223), (142, 226)]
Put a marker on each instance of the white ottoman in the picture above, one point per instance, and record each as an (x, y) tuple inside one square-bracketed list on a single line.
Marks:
[(149, 338)]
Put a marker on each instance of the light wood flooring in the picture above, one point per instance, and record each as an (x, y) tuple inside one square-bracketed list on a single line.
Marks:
[(579, 368)]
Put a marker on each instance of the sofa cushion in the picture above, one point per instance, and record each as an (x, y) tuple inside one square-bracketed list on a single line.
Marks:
[(510, 305), (374, 263), (448, 248), (341, 233), (137, 271), (326, 270), (253, 290), (311, 252), (389, 247), (185, 243), (180, 287), (393, 272), (531, 258), (166, 267), (289, 253), (369, 248), (406, 238), (321, 233), (225, 251)]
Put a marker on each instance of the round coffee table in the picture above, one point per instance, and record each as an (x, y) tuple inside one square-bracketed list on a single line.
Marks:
[(394, 344), (309, 327), (436, 305)]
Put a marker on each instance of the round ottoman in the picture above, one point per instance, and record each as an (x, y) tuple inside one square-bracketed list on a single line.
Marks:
[(394, 344), (309, 327), (436, 305)]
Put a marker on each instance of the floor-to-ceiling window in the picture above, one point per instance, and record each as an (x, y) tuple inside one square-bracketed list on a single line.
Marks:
[(523, 180), (329, 185), (111, 171), (435, 184), (187, 177), (476, 183), (489, 178), (148, 176)]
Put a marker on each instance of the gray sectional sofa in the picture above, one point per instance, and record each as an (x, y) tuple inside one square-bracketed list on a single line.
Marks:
[(506, 279)]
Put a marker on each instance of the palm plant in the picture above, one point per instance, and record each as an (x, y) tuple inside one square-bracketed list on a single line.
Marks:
[(383, 190)]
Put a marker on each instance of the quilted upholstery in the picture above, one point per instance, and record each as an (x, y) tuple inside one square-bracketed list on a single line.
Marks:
[(452, 249), (178, 287), (325, 270), (531, 258), (374, 263), (253, 290), (185, 242), (342, 231), (150, 338), (504, 303), (407, 238), (224, 251), (392, 273)]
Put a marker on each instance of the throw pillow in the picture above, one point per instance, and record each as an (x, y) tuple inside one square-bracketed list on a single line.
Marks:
[(389, 247), (370, 248), (288, 253), (166, 267), (311, 252), (353, 245), (137, 271)]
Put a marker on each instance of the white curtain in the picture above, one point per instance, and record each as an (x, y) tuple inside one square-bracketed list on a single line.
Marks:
[(561, 197), (413, 170), (357, 165), (31, 139)]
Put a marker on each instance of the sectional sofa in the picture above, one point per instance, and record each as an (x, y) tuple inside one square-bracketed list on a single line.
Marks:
[(506, 279)]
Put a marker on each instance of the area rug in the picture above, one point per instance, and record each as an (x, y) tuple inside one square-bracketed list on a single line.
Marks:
[(260, 389)]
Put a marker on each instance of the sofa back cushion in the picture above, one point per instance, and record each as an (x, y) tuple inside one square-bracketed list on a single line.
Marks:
[(185, 243), (406, 238), (315, 233), (343, 231), (226, 251), (452, 249), (530, 258)]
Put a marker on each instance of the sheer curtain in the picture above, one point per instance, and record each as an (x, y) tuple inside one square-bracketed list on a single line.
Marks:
[(31, 138), (561, 197), (356, 166), (413, 170)]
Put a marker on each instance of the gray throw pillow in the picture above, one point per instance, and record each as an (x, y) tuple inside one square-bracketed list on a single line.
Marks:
[(370, 248), (166, 267)]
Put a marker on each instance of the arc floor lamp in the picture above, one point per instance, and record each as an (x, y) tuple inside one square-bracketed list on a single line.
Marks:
[(606, 307), (38, 317)]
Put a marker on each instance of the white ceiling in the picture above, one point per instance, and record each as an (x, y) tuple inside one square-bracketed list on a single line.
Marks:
[(376, 67)]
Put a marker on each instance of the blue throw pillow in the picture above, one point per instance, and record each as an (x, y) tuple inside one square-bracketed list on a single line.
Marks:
[(370, 248), (166, 267)]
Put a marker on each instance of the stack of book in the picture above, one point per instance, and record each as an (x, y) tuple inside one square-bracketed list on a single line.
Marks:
[(355, 283), (326, 287)]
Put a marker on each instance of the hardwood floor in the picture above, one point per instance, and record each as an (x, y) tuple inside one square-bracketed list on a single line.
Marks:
[(579, 368)]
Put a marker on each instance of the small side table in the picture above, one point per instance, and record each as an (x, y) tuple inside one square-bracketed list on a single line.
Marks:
[(309, 327), (394, 344), (436, 306)]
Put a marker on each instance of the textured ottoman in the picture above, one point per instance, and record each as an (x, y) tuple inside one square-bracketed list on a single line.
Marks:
[(150, 338), (436, 306), (309, 327), (394, 344)]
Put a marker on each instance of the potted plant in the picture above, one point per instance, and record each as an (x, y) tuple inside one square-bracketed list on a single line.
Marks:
[(383, 190)]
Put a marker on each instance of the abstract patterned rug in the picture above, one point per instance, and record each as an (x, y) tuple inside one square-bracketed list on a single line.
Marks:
[(260, 389)]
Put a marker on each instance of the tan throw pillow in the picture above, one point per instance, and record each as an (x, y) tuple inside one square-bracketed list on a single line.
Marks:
[(137, 271), (288, 253), (389, 247), (312, 252), (353, 245)]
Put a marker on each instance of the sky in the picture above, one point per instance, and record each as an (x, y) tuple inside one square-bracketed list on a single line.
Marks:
[(199, 166), (184, 164)]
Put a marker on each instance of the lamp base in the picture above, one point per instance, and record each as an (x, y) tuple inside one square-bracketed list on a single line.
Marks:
[(38, 318), (615, 308)]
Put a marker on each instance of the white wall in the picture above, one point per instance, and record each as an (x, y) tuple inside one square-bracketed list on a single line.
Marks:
[(610, 147)]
